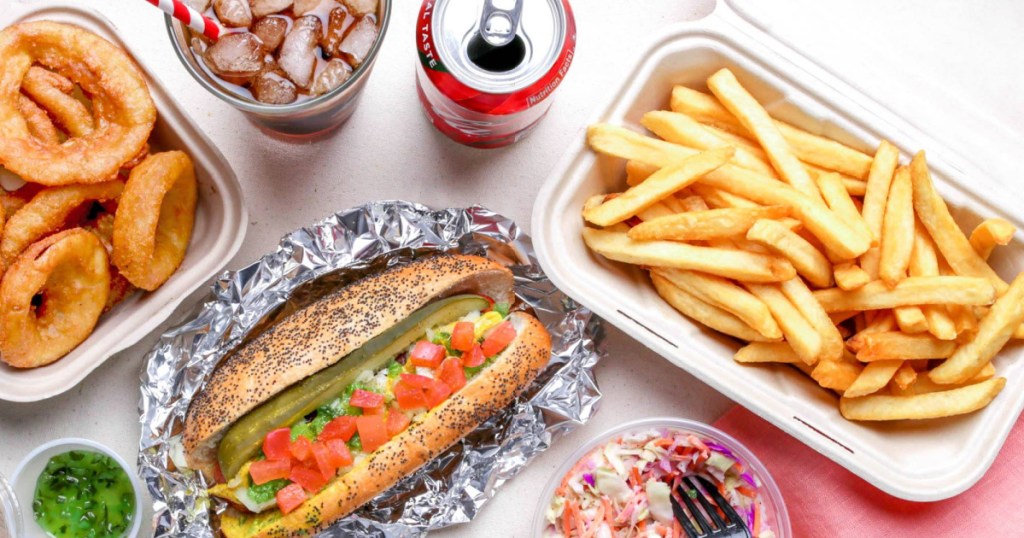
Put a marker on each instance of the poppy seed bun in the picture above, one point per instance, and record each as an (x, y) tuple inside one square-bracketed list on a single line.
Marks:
[(321, 334), (429, 435)]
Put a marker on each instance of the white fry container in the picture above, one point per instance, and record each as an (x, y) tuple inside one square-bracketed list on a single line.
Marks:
[(919, 461), (221, 219)]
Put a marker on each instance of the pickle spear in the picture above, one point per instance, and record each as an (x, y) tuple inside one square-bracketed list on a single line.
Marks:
[(244, 439)]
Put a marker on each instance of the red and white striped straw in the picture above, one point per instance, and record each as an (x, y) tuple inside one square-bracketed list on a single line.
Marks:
[(184, 13)]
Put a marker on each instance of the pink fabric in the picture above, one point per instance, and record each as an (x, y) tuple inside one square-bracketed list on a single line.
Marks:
[(826, 500)]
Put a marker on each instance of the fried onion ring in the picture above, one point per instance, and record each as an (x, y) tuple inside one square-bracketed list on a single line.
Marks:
[(154, 218), (51, 298), (123, 110), (48, 211), (120, 287), (39, 123), (44, 88)]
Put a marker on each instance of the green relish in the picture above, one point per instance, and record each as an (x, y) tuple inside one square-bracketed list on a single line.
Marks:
[(84, 494)]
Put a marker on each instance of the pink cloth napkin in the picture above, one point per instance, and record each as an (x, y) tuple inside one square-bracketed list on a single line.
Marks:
[(826, 500)]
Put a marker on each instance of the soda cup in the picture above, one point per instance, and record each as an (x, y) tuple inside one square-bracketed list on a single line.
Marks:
[(488, 68)]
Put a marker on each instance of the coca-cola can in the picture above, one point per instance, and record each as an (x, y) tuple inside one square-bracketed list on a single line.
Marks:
[(488, 68)]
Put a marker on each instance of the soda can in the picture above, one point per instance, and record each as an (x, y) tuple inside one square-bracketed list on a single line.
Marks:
[(488, 68)]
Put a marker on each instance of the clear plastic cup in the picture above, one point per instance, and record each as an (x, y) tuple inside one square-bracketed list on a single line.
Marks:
[(776, 515), (10, 512), (310, 117)]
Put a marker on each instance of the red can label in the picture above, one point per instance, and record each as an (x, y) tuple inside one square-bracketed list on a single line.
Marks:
[(488, 103)]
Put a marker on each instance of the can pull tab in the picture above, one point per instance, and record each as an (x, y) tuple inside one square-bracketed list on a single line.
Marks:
[(500, 21)]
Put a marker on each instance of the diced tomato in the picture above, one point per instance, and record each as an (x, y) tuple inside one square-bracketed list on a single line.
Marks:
[(340, 428), (311, 479), (408, 396), (264, 471), (416, 380), (474, 357), (463, 336), (437, 393), (427, 354), (322, 455), (452, 374), (276, 443), (499, 338), (397, 422), (218, 475), (339, 453), (300, 448), (372, 431), (366, 399), (290, 497), (379, 410)]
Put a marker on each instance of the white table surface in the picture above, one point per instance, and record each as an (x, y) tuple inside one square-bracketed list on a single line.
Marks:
[(949, 67)]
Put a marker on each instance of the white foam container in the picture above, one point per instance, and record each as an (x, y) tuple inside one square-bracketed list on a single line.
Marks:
[(920, 461), (221, 220)]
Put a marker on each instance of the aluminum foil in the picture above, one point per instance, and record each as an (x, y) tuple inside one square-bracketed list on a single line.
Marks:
[(308, 264)]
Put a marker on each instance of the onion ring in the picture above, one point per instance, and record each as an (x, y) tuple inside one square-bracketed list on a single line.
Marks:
[(42, 86), (120, 287), (39, 123), (123, 109), (70, 272), (48, 212), (154, 219)]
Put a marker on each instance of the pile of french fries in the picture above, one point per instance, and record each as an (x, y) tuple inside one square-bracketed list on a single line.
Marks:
[(846, 265)]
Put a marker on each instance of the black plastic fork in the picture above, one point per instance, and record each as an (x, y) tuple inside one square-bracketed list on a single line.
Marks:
[(732, 526)]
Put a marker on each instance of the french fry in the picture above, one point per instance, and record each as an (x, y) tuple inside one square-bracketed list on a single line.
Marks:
[(849, 276), (904, 376), (838, 199), (703, 313), (950, 240), (897, 230), (756, 120), (994, 330), (704, 225), (923, 384), (724, 294), (964, 319), (662, 183), (637, 172), (682, 129), (839, 317), (883, 167), (837, 375), (878, 346), (912, 291), (924, 262), (736, 264), (923, 406), (831, 341), (874, 376), (807, 260), (693, 203), (910, 319), (809, 148), (718, 198), (799, 332), (673, 203), (989, 233), (883, 321), (767, 352), (654, 211)]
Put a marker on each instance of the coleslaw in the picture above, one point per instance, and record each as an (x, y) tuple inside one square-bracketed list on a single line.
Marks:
[(621, 488)]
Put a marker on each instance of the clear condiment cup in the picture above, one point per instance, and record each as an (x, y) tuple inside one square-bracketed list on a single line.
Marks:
[(302, 118)]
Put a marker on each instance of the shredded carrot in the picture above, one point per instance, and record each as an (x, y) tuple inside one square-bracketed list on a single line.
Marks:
[(747, 491), (663, 442), (635, 474), (642, 525), (607, 509), (757, 519), (677, 529), (567, 519)]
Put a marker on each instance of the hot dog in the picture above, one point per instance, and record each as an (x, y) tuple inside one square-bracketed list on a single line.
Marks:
[(343, 398)]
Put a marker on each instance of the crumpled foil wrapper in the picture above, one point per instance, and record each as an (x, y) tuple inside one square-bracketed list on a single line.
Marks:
[(310, 263)]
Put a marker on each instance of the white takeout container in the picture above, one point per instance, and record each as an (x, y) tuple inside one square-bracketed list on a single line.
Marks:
[(27, 475), (920, 461), (220, 226)]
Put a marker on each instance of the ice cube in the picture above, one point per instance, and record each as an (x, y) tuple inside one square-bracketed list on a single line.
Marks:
[(198, 5), (274, 89), (338, 21), (302, 7), (298, 52), (361, 7), (233, 13), (235, 55), (334, 75), (359, 41), (271, 31), (262, 8)]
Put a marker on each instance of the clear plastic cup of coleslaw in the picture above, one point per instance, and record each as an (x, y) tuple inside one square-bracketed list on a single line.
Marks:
[(776, 518)]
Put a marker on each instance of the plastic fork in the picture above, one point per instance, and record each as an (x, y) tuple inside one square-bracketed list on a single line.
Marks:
[(732, 526)]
